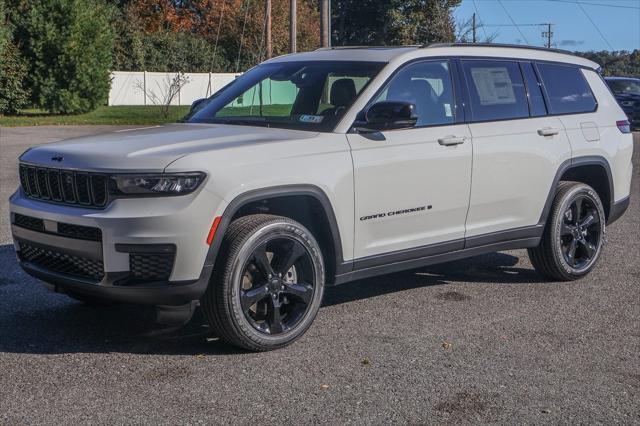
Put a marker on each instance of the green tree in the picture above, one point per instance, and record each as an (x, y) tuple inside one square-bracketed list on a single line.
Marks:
[(393, 22), (69, 46), (13, 70)]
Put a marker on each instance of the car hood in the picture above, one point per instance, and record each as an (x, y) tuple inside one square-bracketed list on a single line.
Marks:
[(152, 148)]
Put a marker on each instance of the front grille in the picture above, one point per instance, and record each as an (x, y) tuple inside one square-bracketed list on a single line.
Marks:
[(151, 267), (62, 263), (65, 187), (28, 222)]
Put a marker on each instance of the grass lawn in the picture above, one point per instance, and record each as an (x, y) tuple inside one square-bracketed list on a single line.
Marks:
[(103, 115)]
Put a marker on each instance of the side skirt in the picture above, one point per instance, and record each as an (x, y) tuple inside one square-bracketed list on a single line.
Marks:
[(441, 252)]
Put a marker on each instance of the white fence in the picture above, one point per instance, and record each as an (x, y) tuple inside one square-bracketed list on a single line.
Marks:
[(146, 88)]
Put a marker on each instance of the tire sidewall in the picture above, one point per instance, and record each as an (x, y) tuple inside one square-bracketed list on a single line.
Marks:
[(270, 231), (558, 217)]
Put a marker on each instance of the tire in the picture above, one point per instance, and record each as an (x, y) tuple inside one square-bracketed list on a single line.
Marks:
[(247, 308), (573, 235)]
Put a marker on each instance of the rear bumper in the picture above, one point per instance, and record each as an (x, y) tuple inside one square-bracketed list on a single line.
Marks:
[(618, 209)]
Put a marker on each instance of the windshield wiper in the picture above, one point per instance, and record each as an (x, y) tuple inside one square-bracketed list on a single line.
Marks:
[(241, 122)]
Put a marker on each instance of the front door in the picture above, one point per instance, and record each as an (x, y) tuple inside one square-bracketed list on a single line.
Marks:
[(412, 186)]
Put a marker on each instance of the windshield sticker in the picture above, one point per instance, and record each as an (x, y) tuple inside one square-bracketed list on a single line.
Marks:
[(313, 119)]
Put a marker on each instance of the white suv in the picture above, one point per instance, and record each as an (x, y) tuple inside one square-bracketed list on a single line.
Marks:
[(325, 167)]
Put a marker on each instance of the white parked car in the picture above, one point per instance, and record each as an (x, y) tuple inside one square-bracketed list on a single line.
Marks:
[(320, 168)]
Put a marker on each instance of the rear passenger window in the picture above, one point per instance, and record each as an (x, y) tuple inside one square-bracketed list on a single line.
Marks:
[(567, 90), (496, 90), (536, 100)]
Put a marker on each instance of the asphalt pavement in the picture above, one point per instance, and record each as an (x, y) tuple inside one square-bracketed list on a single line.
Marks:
[(484, 340)]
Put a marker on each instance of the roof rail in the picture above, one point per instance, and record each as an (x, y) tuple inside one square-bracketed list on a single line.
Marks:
[(514, 46), (368, 47)]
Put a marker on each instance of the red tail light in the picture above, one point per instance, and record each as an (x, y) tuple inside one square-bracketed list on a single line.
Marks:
[(624, 126)]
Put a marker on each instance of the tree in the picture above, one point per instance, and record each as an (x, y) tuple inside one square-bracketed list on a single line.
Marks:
[(69, 46), (393, 22), (234, 29), (13, 70), (618, 63)]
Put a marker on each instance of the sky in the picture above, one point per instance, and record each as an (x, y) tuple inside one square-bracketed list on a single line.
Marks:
[(618, 21)]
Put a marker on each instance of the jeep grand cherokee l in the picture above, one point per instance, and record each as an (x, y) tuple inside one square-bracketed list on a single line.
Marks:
[(321, 168)]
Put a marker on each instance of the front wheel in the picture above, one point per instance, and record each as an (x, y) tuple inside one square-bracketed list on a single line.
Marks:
[(573, 236), (268, 286)]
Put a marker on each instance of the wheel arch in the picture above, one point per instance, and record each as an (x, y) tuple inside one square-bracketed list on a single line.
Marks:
[(307, 204), (594, 171)]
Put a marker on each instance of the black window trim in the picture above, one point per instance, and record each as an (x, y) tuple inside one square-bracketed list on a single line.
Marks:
[(528, 89)]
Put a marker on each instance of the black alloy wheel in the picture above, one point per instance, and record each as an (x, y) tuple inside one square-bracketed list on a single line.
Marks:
[(278, 285), (581, 232)]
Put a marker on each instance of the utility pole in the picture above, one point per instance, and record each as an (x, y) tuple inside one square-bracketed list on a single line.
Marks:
[(325, 18), (293, 27), (548, 34), (473, 27), (267, 19)]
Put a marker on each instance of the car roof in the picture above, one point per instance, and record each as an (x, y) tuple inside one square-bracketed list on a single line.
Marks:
[(405, 53)]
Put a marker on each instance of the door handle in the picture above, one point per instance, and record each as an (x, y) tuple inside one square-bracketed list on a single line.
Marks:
[(451, 140), (548, 131)]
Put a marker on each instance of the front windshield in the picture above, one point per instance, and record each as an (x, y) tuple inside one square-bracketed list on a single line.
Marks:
[(631, 87), (294, 95)]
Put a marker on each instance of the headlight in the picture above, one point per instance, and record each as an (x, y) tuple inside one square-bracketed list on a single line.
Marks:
[(160, 184)]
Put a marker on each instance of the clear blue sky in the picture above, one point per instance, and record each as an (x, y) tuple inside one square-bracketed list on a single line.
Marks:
[(573, 30)]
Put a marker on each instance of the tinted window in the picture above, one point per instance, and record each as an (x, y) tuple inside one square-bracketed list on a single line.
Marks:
[(428, 86), (567, 90), (496, 90), (536, 99), (298, 95), (624, 86)]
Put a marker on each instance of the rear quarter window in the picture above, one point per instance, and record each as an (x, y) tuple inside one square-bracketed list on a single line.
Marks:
[(566, 88)]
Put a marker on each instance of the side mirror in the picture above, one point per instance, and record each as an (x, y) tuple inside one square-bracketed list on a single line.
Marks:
[(197, 103), (388, 115)]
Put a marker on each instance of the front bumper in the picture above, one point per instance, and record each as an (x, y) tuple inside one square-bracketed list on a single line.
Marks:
[(148, 251)]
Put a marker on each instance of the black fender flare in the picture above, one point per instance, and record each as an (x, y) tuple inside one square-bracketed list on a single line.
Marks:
[(590, 160), (280, 191)]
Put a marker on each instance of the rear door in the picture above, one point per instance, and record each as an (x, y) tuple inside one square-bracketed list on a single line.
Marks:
[(517, 148), (412, 185)]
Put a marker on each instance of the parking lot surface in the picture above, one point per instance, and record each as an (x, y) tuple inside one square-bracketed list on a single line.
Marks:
[(479, 340)]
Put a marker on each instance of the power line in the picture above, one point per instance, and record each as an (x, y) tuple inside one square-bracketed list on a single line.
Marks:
[(594, 25), (514, 22), (595, 4)]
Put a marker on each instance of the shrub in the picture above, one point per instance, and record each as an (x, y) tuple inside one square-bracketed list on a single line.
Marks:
[(69, 46), (13, 71)]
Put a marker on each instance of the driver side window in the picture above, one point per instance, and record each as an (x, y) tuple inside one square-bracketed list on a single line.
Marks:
[(428, 86)]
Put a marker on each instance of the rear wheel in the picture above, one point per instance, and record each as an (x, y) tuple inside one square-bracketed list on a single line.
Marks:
[(573, 236), (268, 288)]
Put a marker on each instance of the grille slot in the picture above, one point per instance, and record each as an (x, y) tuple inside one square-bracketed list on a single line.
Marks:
[(151, 267), (61, 262), (28, 222), (65, 187), (43, 188), (80, 232), (54, 185)]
